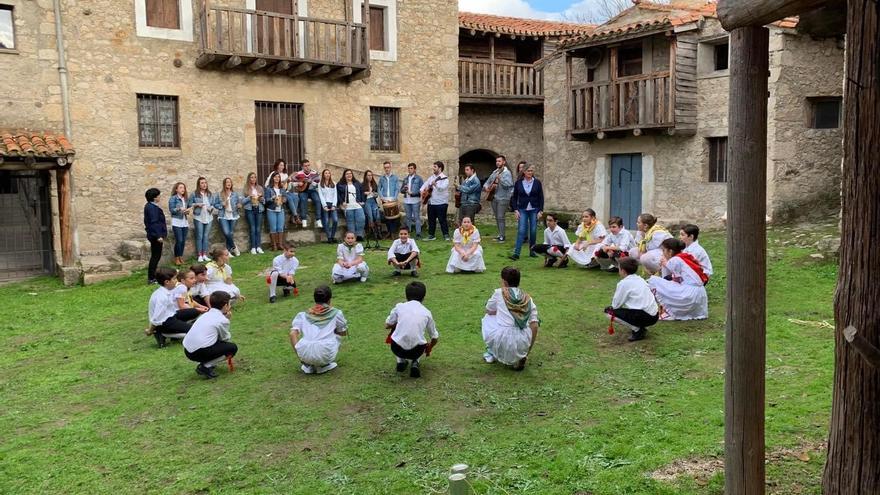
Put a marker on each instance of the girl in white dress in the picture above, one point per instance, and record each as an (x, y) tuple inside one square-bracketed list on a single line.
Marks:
[(315, 334), (467, 253), (220, 273), (590, 234), (511, 322), (649, 238), (680, 291), (350, 262)]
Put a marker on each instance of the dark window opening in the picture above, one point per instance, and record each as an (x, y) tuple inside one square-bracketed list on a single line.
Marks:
[(717, 159), (629, 61), (825, 112), (721, 52)]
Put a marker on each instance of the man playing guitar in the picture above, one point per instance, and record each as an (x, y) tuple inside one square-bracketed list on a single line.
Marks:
[(435, 192), (500, 187), (306, 182)]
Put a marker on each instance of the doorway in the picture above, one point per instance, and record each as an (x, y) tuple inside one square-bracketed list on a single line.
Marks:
[(280, 134), (26, 223), (626, 188), (482, 160)]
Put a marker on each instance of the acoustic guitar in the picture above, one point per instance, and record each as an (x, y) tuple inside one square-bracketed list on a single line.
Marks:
[(426, 194), (492, 187)]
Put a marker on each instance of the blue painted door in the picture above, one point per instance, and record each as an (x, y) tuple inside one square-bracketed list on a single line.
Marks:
[(626, 188)]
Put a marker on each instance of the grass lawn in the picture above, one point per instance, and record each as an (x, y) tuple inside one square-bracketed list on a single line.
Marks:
[(90, 405)]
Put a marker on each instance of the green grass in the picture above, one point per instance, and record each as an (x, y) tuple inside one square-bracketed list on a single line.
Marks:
[(90, 405)]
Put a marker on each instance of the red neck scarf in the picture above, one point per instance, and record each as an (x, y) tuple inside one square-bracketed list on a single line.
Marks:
[(692, 262)]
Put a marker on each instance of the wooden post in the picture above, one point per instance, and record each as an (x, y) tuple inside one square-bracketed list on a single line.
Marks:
[(492, 64), (62, 177), (746, 286), (853, 465), (365, 18)]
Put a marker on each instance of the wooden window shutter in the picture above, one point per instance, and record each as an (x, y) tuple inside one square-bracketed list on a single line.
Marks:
[(377, 28), (163, 13)]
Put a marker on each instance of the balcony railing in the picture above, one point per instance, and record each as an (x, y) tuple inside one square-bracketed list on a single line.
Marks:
[(636, 103), (255, 40), (481, 80)]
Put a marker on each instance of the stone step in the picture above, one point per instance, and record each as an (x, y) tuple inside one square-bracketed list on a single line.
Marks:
[(94, 278), (99, 264)]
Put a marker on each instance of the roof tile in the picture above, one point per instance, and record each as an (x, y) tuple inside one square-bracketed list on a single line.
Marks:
[(36, 144), (519, 26)]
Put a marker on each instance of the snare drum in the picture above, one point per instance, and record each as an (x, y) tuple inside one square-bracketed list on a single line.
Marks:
[(391, 210)]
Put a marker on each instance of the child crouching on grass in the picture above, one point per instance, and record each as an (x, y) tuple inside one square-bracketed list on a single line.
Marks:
[(510, 326), (315, 334), (283, 272), (633, 304), (182, 294), (208, 341), (409, 322), (165, 317)]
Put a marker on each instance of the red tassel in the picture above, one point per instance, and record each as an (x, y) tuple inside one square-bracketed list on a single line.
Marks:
[(229, 362), (611, 325), (268, 279), (296, 291)]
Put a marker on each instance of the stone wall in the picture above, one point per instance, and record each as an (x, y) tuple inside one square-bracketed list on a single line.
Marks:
[(512, 131), (109, 64)]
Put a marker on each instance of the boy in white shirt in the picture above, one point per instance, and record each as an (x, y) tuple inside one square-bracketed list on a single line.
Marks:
[(619, 243), (555, 245), (208, 342), (689, 234), (633, 304), (315, 334), (350, 262), (164, 316), (199, 290), (409, 322), (404, 254), (283, 270)]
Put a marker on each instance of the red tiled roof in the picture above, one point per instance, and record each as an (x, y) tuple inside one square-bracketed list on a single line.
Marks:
[(515, 25), (35, 144)]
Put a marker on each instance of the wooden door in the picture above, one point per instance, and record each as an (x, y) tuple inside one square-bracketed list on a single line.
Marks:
[(626, 188), (280, 134), (26, 222), (274, 34)]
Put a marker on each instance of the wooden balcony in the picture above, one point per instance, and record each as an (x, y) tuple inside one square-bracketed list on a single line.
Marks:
[(635, 103), (499, 82), (254, 40)]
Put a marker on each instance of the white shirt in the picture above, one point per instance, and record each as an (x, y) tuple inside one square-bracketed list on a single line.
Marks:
[(207, 330), (200, 289), (502, 314), (457, 238), (311, 332), (284, 265), (180, 222), (623, 240), (655, 240), (556, 237), (230, 211), (440, 194), (697, 251), (204, 215), (344, 253), (398, 247), (527, 187), (413, 319), (351, 202), (180, 292), (634, 293), (217, 276), (162, 306), (681, 272), (407, 199), (327, 195), (598, 231)]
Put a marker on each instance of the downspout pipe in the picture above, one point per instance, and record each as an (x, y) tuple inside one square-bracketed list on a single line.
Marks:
[(68, 127)]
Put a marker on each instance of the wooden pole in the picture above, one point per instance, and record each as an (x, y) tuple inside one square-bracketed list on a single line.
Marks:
[(853, 465), (746, 252), (62, 178)]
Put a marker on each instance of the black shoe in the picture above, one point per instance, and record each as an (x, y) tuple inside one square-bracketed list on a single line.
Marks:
[(514, 257), (401, 367), (152, 281), (285, 291), (206, 372), (500, 239), (612, 269), (414, 371), (415, 273), (548, 263), (359, 239), (520, 365), (272, 299), (533, 254), (563, 263), (592, 264), (160, 339), (638, 335)]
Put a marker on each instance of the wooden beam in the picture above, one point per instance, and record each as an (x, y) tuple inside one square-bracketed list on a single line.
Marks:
[(319, 70), (741, 13), (361, 74), (300, 69), (340, 72), (282, 66), (62, 178), (745, 337), (232, 62), (205, 60), (824, 22), (257, 64)]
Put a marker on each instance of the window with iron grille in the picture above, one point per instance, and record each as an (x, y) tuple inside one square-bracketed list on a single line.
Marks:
[(7, 28), (717, 159), (824, 112), (384, 129), (158, 121), (280, 129)]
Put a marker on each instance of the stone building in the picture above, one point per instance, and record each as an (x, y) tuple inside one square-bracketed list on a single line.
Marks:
[(160, 91)]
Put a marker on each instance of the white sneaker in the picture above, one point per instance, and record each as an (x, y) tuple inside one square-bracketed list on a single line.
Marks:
[(307, 369), (488, 357), (253, 250), (319, 225), (260, 250), (237, 252), (305, 223), (324, 369), (231, 254), (363, 279)]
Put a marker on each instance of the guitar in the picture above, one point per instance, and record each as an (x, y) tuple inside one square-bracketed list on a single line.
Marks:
[(426, 194), (457, 193), (490, 195)]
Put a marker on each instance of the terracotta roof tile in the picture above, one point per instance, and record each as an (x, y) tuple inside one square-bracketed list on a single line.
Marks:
[(515, 25), (36, 144)]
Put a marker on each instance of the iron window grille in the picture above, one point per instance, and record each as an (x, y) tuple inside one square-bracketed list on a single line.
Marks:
[(717, 159), (280, 134), (158, 121), (384, 129)]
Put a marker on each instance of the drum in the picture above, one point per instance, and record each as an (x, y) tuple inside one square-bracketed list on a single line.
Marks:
[(391, 210)]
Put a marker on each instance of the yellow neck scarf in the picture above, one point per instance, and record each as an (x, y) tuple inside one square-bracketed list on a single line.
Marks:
[(466, 234), (643, 244), (587, 230)]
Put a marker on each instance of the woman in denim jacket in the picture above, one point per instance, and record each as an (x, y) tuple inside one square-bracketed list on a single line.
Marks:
[(275, 199), (178, 205), (252, 201), (227, 204), (203, 214)]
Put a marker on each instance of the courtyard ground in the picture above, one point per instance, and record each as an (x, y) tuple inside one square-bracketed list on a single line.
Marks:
[(90, 405)]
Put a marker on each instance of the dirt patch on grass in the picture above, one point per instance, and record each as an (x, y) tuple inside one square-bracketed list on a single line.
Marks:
[(702, 469)]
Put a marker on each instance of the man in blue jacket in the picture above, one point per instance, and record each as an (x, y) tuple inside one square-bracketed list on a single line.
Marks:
[(470, 194), (389, 189), (157, 230), (412, 202)]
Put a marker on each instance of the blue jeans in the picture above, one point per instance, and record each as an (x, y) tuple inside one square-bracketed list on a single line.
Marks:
[(276, 221), (354, 221), (180, 234), (371, 211), (255, 218), (293, 202), (228, 228), (414, 217), (528, 219), (203, 234), (330, 220), (304, 203)]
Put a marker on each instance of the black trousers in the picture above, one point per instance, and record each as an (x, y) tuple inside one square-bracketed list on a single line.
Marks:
[(206, 354), (635, 317), (155, 255), (616, 254), (435, 213), (180, 322), (543, 248), (469, 211), (409, 266), (413, 354)]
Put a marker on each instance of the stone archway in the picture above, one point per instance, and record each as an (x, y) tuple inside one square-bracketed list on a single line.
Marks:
[(483, 161)]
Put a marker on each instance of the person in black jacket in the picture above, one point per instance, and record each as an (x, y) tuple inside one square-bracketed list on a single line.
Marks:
[(527, 204), (351, 199), (157, 231)]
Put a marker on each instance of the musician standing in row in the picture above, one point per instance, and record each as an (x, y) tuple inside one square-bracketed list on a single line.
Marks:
[(389, 188), (436, 189), (470, 194), (307, 182), (500, 187), (412, 202)]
